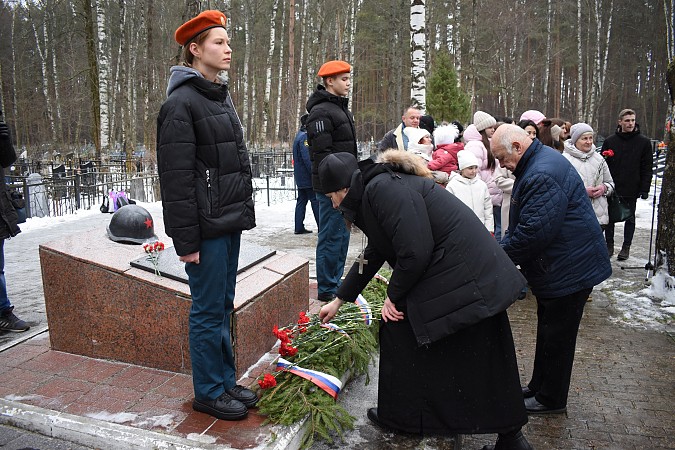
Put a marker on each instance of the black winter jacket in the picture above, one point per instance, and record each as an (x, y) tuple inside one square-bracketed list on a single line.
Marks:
[(204, 169), (449, 272), (8, 216), (330, 129), (631, 165)]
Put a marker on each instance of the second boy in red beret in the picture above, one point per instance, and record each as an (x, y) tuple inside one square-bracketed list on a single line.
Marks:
[(330, 129)]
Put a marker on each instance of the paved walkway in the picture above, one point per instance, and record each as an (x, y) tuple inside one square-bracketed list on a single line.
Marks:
[(622, 393)]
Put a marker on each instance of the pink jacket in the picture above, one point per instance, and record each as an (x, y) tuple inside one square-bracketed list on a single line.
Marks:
[(444, 157), (474, 143)]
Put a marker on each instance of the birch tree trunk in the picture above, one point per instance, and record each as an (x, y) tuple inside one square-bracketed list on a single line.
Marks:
[(150, 74), (547, 67), (17, 129), (418, 41), (280, 79), (600, 66), (292, 119), (103, 73), (42, 52), (268, 73), (472, 56)]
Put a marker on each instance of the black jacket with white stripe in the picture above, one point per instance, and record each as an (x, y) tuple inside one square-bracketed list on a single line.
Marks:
[(330, 129)]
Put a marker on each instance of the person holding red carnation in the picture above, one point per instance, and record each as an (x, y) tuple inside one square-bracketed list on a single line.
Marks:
[(631, 168)]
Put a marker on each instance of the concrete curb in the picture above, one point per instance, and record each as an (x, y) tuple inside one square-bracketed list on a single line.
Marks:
[(106, 435)]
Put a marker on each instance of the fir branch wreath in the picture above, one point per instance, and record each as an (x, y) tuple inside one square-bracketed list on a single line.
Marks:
[(348, 349)]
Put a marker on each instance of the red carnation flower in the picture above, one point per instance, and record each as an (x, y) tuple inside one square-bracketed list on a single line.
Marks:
[(608, 153), (286, 349), (267, 382)]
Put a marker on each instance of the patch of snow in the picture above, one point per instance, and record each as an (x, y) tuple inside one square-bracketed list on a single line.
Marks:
[(19, 398), (202, 438), (113, 417)]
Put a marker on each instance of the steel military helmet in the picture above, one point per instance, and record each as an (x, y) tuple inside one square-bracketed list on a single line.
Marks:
[(131, 224)]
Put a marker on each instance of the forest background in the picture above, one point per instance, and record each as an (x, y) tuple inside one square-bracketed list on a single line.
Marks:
[(88, 76)]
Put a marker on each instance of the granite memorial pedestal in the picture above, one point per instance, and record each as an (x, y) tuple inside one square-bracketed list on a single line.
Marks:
[(98, 305)]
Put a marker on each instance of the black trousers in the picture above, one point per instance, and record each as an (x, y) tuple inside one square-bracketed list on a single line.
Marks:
[(557, 327)]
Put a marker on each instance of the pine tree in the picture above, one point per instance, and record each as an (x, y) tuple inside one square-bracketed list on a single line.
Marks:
[(445, 100)]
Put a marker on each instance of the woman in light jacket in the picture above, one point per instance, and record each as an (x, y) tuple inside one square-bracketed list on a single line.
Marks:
[(592, 167)]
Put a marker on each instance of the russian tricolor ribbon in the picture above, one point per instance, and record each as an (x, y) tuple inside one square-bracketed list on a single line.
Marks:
[(328, 383), (333, 327), (365, 309)]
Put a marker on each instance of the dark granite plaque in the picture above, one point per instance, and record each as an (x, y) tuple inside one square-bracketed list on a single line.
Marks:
[(171, 267)]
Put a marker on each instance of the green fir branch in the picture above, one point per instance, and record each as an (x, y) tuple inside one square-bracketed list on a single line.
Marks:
[(294, 398)]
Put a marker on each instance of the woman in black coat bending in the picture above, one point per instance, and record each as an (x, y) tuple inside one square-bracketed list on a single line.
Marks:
[(447, 359)]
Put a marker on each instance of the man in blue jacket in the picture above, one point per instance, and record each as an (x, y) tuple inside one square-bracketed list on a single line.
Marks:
[(555, 238), (302, 171)]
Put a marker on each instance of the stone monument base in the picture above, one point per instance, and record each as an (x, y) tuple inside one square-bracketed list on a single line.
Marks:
[(99, 306)]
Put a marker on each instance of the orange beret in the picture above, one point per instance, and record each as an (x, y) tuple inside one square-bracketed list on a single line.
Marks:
[(333, 68), (204, 21)]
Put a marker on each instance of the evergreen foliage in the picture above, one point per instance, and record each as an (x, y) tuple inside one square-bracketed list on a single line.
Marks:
[(294, 398), (445, 100)]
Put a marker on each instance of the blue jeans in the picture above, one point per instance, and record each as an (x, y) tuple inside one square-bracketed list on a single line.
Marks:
[(212, 284), (305, 195), (4, 300), (331, 248)]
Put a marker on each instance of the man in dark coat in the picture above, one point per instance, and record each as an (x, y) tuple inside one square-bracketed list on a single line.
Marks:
[(8, 229), (396, 138), (631, 169), (555, 237), (330, 129), (447, 359), (302, 172)]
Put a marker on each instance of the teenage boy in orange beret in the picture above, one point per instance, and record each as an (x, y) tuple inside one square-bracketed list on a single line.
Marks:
[(330, 129), (205, 179)]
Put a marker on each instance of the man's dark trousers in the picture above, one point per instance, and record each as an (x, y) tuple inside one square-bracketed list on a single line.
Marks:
[(558, 322)]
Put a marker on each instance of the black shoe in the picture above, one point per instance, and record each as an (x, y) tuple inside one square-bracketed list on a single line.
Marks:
[(610, 248), (532, 406), (515, 442), (527, 392), (246, 396), (373, 417), (9, 322), (303, 231), (624, 253), (325, 297), (224, 407)]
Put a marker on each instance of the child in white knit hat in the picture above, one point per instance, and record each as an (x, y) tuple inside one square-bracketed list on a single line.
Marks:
[(419, 142), (470, 189)]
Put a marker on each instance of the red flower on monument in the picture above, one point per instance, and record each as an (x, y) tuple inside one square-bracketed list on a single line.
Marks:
[(267, 382), (608, 153), (303, 320), (286, 349), (153, 254)]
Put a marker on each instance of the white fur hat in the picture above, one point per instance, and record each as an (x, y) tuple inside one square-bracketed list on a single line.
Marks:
[(445, 134), (483, 120), (415, 134), (466, 159)]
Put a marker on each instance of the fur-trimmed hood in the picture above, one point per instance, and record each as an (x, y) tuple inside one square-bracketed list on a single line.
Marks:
[(405, 162)]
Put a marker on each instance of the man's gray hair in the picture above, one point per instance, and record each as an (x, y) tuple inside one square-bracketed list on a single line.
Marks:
[(511, 134)]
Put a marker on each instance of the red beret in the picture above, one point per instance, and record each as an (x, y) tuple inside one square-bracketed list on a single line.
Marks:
[(204, 21), (333, 68)]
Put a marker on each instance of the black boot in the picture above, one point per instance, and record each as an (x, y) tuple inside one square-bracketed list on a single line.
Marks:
[(510, 441), (624, 253)]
